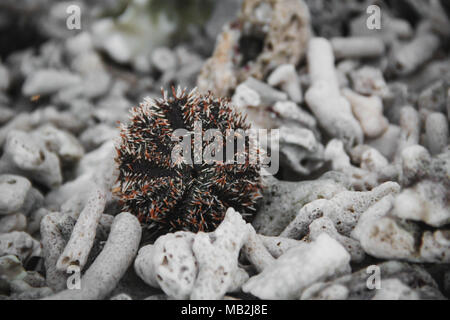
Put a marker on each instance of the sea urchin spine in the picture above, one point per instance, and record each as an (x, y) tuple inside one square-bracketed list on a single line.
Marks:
[(178, 195)]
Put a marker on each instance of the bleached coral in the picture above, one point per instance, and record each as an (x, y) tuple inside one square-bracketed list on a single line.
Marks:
[(298, 268)]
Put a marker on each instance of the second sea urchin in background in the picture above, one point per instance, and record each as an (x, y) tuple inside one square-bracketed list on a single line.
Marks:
[(172, 195)]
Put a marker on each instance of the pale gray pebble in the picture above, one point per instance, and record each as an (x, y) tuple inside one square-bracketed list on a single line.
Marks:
[(13, 222), (436, 132), (100, 165), (67, 120), (33, 202), (95, 136), (96, 80), (6, 114), (111, 109), (14, 190), (25, 154), (357, 47), (164, 59), (20, 244), (96, 169), (79, 44), (71, 120), (62, 143), (48, 81), (71, 196), (245, 97)]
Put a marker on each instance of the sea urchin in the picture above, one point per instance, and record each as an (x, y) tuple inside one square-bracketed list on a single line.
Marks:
[(169, 194)]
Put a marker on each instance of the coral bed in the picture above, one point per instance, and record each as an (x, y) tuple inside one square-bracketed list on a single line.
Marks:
[(363, 116)]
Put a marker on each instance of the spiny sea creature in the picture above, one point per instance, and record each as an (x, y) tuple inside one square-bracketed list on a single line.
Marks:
[(168, 195)]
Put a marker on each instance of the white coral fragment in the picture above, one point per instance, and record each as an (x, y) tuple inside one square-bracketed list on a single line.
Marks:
[(331, 109), (369, 112), (198, 266), (110, 265), (298, 268), (77, 250), (169, 264), (286, 77), (217, 255)]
